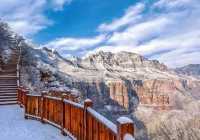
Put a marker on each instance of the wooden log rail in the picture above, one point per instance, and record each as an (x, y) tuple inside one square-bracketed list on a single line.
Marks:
[(80, 122)]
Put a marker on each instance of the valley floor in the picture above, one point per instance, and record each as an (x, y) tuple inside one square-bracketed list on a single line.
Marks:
[(13, 126)]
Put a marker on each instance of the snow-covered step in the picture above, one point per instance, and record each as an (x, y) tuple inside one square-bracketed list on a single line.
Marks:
[(8, 94), (11, 86), (8, 87), (8, 90), (8, 97), (8, 84), (8, 103), (8, 100), (8, 76), (8, 72), (8, 81)]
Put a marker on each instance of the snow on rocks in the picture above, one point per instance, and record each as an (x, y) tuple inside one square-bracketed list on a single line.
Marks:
[(13, 126)]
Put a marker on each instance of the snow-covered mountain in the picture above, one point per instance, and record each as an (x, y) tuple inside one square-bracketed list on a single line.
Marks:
[(192, 69), (163, 104)]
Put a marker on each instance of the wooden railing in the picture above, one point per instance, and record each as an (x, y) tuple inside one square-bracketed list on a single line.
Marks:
[(78, 121), (18, 64)]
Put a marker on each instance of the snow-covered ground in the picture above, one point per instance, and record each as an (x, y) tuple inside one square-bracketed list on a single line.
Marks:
[(13, 126)]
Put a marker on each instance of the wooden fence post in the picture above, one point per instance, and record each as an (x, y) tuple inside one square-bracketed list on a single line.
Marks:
[(63, 116), (43, 106), (124, 126), (20, 96), (25, 103), (87, 103)]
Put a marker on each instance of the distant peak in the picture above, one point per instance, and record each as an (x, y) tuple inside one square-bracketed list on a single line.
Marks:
[(123, 59)]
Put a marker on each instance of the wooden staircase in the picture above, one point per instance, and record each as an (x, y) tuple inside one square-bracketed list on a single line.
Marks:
[(8, 81)]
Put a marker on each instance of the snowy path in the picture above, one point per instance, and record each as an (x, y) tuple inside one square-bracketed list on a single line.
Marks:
[(13, 126)]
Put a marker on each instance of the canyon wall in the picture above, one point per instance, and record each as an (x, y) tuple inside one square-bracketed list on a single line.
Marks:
[(158, 94)]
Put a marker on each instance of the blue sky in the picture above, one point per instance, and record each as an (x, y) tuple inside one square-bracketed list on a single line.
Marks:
[(166, 30)]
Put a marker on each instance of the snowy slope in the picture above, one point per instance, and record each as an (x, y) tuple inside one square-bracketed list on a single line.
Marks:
[(13, 126)]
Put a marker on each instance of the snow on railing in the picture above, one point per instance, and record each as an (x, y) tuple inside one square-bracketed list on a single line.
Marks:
[(128, 137), (78, 121), (102, 119)]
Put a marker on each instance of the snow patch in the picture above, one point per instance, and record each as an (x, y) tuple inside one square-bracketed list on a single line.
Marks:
[(124, 120)]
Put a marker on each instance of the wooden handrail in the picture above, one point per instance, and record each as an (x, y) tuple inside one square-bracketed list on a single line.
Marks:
[(18, 66), (78, 121)]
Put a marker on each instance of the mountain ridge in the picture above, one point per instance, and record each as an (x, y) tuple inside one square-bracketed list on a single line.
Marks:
[(191, 70)]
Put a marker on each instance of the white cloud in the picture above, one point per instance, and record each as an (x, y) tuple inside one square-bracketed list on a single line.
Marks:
[(174, 3), (75, 44), (139, 32), (27, 17), (59, 4), (132, 15)]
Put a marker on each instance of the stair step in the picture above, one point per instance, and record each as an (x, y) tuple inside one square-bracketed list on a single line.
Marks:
[(8, 91), (8, 103), (8, 100), (7, 81), (8, 87), (8, 94), (8, 76), (8, 97), (8, 71)]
